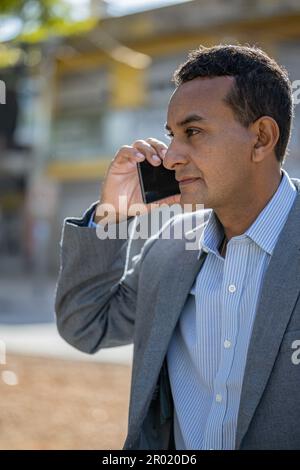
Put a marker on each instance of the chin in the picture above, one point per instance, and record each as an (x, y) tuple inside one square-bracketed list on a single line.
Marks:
[(191, 200)]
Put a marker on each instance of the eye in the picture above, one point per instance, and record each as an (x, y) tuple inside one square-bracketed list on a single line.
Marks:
[(192, 131)]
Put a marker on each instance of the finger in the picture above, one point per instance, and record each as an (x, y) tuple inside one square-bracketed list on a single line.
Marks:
[(127, 153), (146, 149), (159, 146)]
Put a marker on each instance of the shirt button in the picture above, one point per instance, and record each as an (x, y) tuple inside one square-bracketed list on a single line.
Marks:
[(227, 343), (232, 288), (218, 397)]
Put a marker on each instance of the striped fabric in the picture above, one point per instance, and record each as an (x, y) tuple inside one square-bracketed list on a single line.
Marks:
[(208, 350)]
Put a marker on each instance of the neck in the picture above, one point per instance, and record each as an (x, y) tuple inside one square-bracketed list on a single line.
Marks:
[(240, 216)]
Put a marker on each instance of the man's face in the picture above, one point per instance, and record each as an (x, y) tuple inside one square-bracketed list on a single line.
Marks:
[(208, 143)]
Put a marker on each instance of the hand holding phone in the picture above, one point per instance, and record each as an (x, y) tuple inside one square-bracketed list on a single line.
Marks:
[(122, 179)]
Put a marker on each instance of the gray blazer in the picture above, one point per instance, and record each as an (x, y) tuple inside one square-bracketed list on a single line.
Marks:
[(115, 292)]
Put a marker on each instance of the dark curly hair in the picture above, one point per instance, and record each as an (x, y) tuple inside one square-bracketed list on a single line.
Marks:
[(261, 87)]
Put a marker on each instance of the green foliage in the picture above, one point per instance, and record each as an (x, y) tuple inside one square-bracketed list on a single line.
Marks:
[(38, 10), (44, 18)]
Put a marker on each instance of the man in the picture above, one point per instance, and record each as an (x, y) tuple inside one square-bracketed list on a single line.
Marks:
[(215, 330)]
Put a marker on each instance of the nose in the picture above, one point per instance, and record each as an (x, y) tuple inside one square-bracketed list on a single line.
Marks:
[(173, 157)]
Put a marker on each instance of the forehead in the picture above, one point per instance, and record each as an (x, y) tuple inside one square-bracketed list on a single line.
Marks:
[(203, 96)]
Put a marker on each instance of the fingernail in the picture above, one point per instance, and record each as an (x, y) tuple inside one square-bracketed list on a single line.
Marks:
[(156, 158), (139, 155)]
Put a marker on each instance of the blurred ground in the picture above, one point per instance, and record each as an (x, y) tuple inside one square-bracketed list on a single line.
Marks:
[(63, 404), (52, 395)]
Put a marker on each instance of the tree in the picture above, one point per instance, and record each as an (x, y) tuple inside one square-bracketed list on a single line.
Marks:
[(44, 18)]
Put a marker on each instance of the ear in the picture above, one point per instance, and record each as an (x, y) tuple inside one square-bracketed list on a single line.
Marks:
[(266, 134)]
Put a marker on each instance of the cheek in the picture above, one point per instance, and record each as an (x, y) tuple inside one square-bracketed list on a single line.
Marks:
[(238, 143), (234, 151), (221, 156)]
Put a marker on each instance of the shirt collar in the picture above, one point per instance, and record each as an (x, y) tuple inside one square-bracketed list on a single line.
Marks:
[(266, 228), (212, 235)]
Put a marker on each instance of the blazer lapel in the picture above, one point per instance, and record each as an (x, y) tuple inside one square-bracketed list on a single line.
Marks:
[(178, 276), (279, 294)]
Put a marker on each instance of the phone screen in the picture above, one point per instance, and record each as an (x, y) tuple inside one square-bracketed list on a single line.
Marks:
[(157, 182)]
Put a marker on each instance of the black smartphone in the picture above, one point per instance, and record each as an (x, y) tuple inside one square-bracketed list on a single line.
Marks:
[(157, 182)]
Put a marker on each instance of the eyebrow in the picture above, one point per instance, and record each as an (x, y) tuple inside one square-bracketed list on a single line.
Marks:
[(187, 120)]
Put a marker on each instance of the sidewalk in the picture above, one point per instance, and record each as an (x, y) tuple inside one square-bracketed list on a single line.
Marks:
[(44, 341)]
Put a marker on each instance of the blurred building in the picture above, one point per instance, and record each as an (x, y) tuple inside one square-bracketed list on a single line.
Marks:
[(111, 85), (16, 117)]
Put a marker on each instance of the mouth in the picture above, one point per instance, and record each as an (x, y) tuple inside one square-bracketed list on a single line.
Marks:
[(185, 181)]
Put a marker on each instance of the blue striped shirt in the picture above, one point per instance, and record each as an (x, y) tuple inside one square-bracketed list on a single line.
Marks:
[(208, 350)]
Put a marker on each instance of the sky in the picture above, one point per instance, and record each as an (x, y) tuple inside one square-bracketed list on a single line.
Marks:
[(121, 7), (127, 6)]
